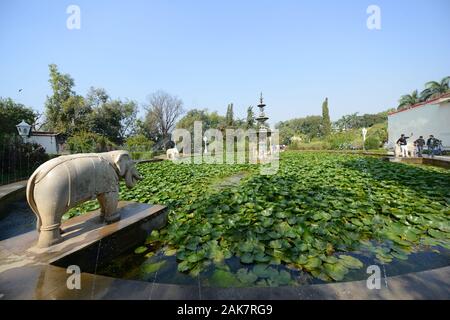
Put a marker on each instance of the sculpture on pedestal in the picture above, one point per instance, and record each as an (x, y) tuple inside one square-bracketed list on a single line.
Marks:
[(67, 181)]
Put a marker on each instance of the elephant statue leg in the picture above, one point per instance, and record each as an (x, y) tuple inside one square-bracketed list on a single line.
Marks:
[(49, 231), (108, 206)]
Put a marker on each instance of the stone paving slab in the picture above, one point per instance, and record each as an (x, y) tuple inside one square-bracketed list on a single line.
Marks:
[(49, 282)]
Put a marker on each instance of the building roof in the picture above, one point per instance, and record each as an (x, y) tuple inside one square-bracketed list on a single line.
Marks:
[(43, 133), (442, 98)]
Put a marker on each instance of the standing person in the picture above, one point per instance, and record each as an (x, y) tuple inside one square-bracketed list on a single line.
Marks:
[(438, 147), (419, 144), (402, 141), (431, 141)]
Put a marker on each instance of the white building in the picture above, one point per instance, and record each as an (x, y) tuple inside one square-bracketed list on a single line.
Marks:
[(423, 119), (48, 140)]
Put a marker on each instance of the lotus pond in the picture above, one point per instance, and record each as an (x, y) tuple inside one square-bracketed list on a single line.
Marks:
[(322, 217)]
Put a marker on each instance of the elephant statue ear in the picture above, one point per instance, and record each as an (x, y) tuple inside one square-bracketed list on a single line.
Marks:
[(121, 160)]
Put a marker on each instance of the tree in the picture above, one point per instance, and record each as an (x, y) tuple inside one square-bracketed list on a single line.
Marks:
[(163, 110), (434, 89), (250, 122), (12, 113), (187, 122), (62, 87), (96, 97), (353, 121), (229, 118), (326, 123), (310, 127), (408, 100), (114, 119)]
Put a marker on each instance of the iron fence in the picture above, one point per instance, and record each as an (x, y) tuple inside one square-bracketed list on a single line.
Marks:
[(18, 160)]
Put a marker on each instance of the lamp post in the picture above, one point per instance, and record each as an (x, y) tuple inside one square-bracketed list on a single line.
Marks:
[(205, 139), (364, 132), (24, 130)]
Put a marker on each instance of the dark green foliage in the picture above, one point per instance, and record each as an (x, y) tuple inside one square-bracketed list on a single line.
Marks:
[(11, 114), (85, 142), (138, 143), (309, 127), (18, 160), (372, 142)]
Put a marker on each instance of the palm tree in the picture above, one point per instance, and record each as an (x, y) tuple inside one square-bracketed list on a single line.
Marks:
[(434, 89), (408, 100)]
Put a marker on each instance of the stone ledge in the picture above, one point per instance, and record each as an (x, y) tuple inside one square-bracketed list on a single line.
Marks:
[(442, 163), (87, 242), (11, 192), (47, 282)]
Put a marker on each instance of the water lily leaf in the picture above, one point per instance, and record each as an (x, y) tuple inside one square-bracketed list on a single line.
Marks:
[(350, 262), (224, 279), (437, 234), (247, 258), (140, 249), (336, 271), (282, 278), (410, 236), (276, 244), (170, 252), (264, 271), (313, 263), (247, 246), (245, 276), (153, 267), (330, 259), (193, 257), (153, 236), (261, 257)]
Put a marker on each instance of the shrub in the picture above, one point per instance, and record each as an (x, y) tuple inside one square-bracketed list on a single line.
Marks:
[(141, 155), (372, 142), (138, 143), (89, 142), (313, 145), (348, 140)]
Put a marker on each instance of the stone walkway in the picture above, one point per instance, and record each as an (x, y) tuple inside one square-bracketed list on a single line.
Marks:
[(47, 282)]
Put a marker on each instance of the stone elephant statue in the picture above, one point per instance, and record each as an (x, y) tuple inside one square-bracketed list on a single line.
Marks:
[(67, 181), (172, 154)]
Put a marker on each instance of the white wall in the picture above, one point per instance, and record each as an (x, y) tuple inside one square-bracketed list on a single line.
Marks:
[(421, 121), (48, 142)]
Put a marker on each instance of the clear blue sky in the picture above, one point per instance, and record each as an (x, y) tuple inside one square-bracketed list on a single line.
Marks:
[(211, 53)]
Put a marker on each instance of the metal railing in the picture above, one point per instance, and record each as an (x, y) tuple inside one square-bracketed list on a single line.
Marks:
[(18, 160)]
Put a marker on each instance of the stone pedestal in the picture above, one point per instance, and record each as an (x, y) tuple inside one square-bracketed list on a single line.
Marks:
[(87, 242)]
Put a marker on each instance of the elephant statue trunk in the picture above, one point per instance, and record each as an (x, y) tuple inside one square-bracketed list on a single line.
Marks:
[(67, 181)]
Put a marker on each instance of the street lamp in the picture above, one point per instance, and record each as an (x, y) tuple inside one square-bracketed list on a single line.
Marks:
[(364, 132), (24, 129), (205, 139)]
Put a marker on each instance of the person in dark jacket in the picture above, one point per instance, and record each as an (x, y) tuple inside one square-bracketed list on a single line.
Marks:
[(431, 143), (419, 143), (402, 141)]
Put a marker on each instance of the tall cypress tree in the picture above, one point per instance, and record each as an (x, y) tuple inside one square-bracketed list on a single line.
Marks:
[(250, 118), (326, 122), (229, 118)]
